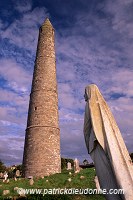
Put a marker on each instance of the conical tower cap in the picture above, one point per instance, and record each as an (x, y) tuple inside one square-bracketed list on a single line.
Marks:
[(47, 23)]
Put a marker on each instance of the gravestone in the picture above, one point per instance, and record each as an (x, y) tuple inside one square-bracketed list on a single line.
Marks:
[(5, 192), (76, 165), (69, 166), (5, 176), (16, 188), (7, 181), (31, 181), (1, 175), (15, 179), (17, 173), (82, 177)]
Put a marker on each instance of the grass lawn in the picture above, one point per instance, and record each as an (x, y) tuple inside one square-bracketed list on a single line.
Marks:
[(54, 181)]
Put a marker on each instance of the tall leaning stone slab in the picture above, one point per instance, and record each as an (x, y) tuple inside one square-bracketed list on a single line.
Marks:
[(42, 140)]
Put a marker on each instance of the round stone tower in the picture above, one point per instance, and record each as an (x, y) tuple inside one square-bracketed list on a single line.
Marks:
[(42, 140)]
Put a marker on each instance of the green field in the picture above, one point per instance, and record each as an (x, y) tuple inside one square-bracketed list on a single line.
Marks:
[(54, 181)]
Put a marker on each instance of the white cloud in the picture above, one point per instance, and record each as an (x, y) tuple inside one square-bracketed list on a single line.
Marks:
[(121, 82), (18, 79), (11, 149), (23, 5), (14, 98), (23, 32), (13, 107)]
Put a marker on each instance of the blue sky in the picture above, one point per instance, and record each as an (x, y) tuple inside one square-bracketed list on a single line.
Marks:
[(94, 44)]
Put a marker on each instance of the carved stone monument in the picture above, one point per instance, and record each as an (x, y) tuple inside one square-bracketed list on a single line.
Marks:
[(106, 146)]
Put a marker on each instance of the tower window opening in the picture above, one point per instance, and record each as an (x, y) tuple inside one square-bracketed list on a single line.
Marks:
[(35, 108)]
